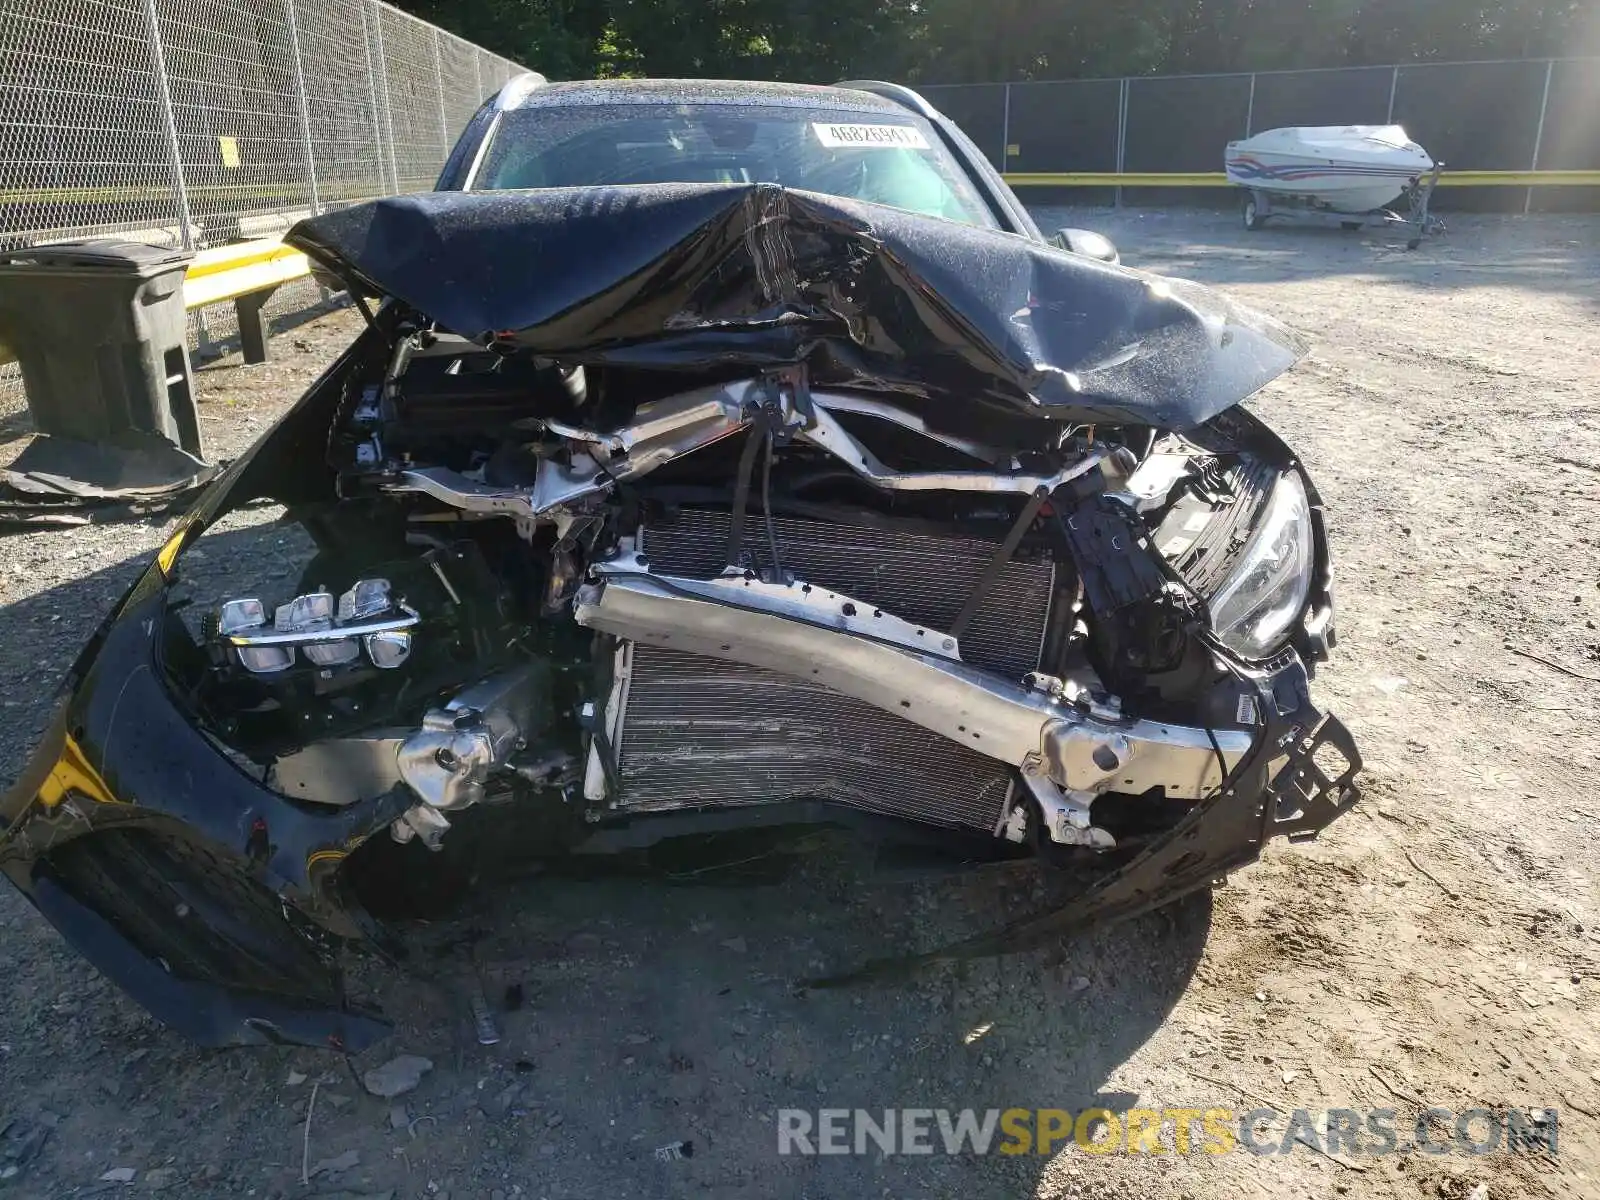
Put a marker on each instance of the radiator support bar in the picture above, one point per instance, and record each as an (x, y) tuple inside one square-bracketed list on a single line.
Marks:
[(821, 636)]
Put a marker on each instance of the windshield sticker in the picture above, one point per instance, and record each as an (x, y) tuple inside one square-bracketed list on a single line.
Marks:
[(869, 137)]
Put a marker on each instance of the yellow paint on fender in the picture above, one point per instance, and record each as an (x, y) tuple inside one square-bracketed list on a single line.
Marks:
[(168, 554), (72, 773)]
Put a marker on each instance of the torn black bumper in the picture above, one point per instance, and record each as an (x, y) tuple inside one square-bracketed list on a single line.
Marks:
[(216, 902), (209, 898)]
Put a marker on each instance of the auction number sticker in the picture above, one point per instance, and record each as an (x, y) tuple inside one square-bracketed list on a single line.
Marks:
[(845, 137)]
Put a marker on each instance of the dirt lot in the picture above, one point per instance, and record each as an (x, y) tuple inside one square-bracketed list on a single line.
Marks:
[(1441, 946)]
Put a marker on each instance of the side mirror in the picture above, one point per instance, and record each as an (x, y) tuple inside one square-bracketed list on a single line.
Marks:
[(1087, 243)]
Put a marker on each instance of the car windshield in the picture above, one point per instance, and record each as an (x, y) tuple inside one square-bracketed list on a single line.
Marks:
[(883, 158)]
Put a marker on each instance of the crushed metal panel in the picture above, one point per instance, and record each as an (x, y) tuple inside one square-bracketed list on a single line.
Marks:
[(690, 276)]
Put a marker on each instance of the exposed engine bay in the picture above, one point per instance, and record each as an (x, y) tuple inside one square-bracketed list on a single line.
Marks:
[(751, 507), (767, 592)]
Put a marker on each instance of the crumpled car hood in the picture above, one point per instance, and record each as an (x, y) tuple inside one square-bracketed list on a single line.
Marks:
[(706, 277)]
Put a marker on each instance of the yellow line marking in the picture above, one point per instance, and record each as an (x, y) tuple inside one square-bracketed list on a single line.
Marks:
[(1520, 179), (290, 196), (241, 254), (1112, 179), (234, 271), (1213, 179)]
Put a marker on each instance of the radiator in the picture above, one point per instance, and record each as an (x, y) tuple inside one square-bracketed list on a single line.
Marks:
[(699, 732)]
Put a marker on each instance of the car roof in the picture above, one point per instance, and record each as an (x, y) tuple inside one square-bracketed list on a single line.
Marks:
[(519, 94)]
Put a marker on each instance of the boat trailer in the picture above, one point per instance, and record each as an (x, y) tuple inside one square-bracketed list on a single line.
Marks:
[(1260, 206)]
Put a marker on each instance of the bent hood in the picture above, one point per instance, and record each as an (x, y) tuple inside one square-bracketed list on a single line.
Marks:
[(706, 277)]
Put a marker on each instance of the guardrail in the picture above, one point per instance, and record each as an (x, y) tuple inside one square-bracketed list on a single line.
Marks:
[(1207, 179), (246, 273)]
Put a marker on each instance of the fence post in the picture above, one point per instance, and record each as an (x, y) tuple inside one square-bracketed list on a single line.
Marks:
[(180, 189), (1538, 137), (1250, 110), (1122, 136), (381, 69), (304, 105), (1005, 130), (1394, 86), (372, 95), (438, 79)]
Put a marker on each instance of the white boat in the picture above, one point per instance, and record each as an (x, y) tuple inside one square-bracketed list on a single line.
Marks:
[(1339, 168)]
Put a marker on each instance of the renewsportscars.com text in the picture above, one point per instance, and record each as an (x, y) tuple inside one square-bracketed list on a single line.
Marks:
[(1371, 1132)]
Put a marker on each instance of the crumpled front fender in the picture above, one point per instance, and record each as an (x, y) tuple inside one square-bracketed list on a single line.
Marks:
[(209, 898)]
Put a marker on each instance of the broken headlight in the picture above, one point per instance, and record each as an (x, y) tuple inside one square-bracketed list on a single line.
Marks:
[(1258, 603)]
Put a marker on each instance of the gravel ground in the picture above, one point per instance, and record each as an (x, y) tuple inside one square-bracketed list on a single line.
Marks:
[(1439, 946)]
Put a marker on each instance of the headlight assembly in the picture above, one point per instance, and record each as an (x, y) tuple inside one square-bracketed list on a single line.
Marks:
[(1254, 608)]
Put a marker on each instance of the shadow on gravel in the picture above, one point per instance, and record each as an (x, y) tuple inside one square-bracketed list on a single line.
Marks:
[(40, 636), (639, 1005), (1546, 253), (678, 1000)]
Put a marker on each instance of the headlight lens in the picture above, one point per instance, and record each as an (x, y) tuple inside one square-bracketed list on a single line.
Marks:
[(1266, 592)]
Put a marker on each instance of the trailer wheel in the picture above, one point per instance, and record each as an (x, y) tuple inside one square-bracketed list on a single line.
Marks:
[(1253, 219)]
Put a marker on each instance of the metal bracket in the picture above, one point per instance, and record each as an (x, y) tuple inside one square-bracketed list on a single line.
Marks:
[(797, 599), (1305, 796), (869, 654), (997, 564), (1066, 815)]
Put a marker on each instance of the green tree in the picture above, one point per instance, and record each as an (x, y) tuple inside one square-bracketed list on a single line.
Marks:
[(558, 38), (964, 41)]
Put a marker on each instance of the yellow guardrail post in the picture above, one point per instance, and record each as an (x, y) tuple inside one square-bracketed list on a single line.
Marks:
[(248, 273)]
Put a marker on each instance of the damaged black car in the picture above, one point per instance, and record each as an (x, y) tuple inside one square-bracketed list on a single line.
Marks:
[(716, 455)]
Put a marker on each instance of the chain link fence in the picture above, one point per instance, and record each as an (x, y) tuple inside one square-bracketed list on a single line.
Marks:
[(199, 122), (1521, 115)]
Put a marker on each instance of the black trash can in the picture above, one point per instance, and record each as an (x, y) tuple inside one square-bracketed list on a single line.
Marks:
[(100, 331)]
